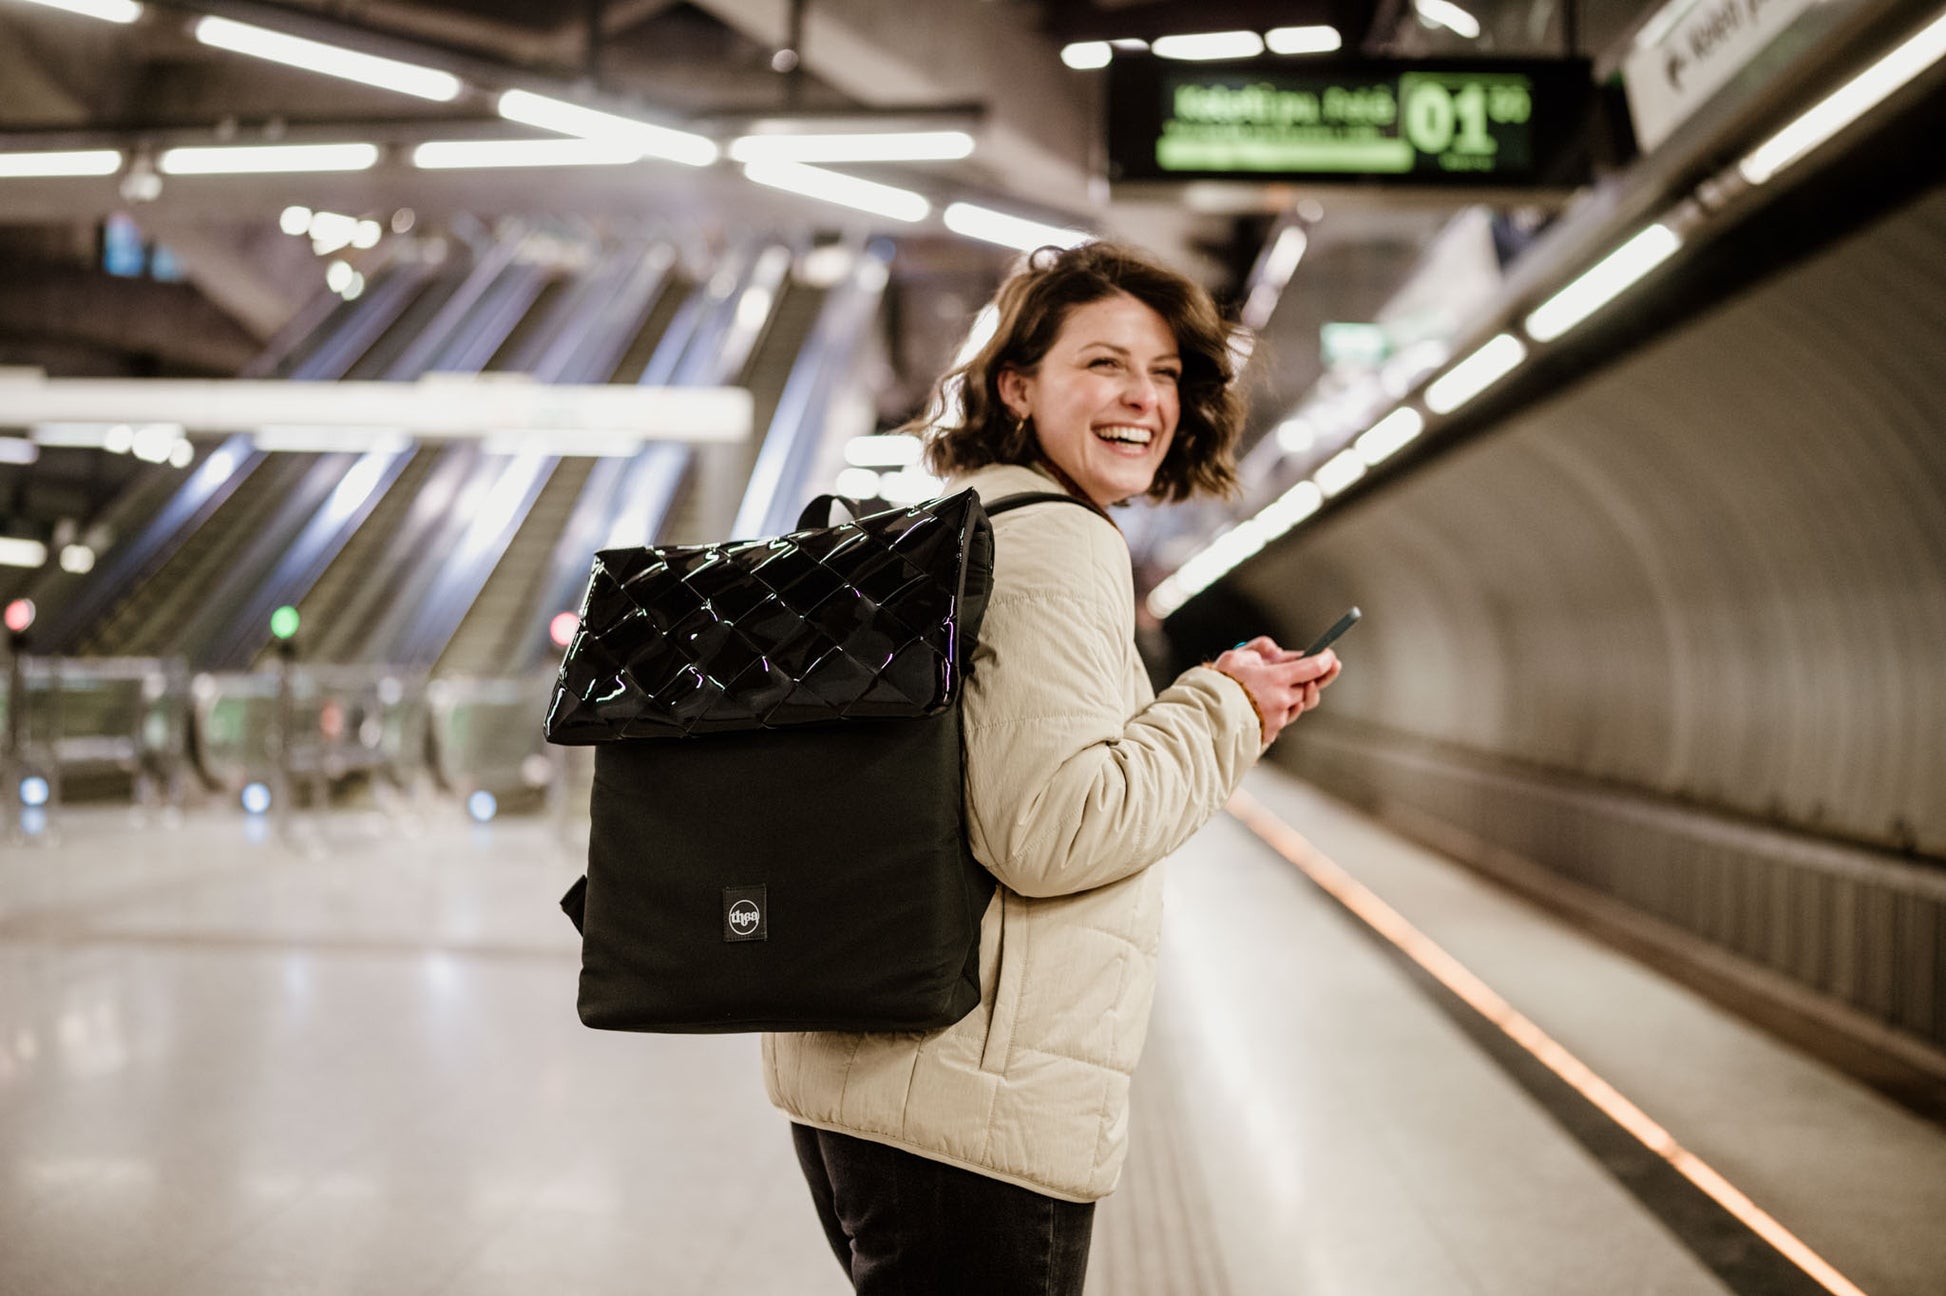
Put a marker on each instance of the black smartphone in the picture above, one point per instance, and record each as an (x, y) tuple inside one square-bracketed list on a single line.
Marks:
[(1325, 640)]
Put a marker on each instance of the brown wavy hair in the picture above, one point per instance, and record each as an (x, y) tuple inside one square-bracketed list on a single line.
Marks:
[(1033, 305)]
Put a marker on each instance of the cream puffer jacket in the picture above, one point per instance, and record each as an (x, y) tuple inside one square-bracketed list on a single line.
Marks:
[(1078, 779)]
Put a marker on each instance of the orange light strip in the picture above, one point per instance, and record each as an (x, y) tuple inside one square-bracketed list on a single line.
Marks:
[(1449, 972)]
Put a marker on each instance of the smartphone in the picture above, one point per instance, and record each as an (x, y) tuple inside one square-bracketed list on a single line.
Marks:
[(1325, 640)]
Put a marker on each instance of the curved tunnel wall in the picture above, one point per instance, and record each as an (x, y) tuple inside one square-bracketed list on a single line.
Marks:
[(1678, 634)]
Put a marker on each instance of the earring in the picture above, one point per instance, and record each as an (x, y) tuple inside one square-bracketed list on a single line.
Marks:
[(1020, 425)]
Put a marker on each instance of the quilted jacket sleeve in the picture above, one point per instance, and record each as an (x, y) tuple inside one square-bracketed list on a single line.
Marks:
[(1066, 789)]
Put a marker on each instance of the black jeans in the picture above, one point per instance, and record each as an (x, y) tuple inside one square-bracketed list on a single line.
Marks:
[(902, 1225)]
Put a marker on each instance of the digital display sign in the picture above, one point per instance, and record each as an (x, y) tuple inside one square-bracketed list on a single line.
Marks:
[(1422, 122)]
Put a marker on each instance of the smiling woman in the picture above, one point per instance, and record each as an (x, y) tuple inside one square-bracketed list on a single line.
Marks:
[(967, 1160), (1099, 339)]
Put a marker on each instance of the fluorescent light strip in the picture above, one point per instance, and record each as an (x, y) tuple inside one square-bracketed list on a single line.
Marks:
[(1084, 56), (1847, 104), (453, 155), (256, 159), (1389, 435), (1607, 280), (1209, 45), (1473, 375), (18, 450), (1281, 261), (114, 11), (1337, 473), (990, 226), (1303, 40), (1444, 13), (83, 162), (76, 436), (302, 439), (846, 191), (892, 450), (1482, 998), (572, 119), (890, 146), (858, 483), (22, 553), (330, 60)]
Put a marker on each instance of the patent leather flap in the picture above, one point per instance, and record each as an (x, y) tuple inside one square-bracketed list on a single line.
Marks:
[(871, 619)]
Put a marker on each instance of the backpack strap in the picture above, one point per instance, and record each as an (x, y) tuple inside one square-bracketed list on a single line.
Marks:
[(1037, 497)]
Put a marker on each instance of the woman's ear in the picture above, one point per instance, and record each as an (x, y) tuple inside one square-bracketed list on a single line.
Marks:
[(1013, 392)]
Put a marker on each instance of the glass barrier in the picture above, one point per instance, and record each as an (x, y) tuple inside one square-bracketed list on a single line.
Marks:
[(117, 726)]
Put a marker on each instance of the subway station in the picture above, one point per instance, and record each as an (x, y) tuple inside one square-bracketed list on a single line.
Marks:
[(557, 736)]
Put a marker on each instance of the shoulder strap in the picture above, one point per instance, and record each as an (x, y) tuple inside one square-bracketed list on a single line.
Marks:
[(1036, 497)]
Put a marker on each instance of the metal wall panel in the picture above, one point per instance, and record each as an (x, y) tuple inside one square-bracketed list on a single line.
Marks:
[(1710, 578)]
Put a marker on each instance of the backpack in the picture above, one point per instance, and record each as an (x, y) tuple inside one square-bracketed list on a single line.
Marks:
[(779, 837)]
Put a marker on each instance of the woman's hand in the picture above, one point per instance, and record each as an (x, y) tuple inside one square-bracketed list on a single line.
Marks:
[(1283, 684)]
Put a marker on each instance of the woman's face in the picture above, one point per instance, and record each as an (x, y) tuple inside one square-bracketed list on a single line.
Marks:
[(1104, 398)]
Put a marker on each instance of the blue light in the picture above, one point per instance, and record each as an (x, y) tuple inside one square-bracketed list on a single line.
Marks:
[(256, 799), (482, 806), (33, 790)]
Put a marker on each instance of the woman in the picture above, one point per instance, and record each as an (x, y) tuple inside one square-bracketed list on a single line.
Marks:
[(969, 1159)]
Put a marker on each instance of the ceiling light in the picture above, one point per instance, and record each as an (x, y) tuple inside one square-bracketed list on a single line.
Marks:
[(153, 442), (18, 450), (114, 11), (846, 191), (1847, 104), (1209, 45), (992, 226), (1303, 40), (22, 553), (1339, 472), (857, 483), (1131, 44), (83, 162), (248, 159), (77, 559), (1297, 435), (908, 486), (1084, 56), (588, 123), (300, 439), (894, 450), (331, 231), (1601, 284), (887, 146), (295, 220), (449, 155), (1444, 13), (1387, 436), (331, 60), (1475, 374)]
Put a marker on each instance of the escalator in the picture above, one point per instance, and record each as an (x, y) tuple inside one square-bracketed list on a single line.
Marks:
[(184, 528)]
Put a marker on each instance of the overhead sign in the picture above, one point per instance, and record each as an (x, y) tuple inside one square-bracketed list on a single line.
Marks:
[(1418, 122), (1689, 51)]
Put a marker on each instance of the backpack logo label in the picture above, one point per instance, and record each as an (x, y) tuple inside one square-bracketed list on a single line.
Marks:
[(744, 914)]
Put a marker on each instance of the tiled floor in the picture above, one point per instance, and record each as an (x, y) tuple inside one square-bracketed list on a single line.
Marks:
[(349, 1063)]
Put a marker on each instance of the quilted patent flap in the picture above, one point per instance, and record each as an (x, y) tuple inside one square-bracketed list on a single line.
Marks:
[(857, 621)]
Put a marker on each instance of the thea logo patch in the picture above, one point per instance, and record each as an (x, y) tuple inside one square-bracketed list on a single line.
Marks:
[(744, 914)]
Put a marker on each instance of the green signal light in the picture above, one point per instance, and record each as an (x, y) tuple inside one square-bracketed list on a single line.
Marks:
[(283, 622)]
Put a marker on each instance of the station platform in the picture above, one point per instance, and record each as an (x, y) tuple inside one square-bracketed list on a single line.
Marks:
[(344, 1058)]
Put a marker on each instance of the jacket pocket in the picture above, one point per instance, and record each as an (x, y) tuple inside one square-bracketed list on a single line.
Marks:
[(1006, 990)]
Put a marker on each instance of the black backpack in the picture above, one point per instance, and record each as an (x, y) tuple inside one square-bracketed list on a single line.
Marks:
[(779, 837)]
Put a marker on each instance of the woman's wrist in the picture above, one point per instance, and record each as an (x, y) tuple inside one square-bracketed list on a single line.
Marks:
[(1263, 730)]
